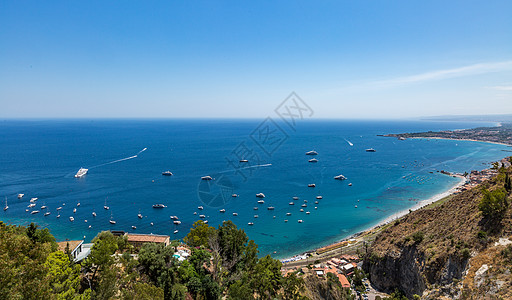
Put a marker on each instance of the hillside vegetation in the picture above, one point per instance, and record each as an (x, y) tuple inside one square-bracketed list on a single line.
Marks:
[(441, 251)]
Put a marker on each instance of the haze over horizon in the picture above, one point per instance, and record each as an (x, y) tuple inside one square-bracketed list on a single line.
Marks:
[(241, 60)]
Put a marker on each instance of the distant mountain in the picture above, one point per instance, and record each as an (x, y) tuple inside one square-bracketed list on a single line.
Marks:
[(472, 118)]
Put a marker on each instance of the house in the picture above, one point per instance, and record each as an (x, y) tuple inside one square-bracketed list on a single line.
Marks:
[(343, 280), (137, 240), (78, 249)]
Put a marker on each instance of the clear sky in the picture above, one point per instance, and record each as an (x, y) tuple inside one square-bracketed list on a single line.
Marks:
[(238, 59)]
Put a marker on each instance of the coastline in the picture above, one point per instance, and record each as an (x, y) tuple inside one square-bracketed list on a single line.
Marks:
[(452, 139), (387, 220)]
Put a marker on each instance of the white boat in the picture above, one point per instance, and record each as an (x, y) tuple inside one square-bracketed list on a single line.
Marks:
[(32, 200), (288, 214), (255, 208), (371, 150), (177, 222), (244, 160), (167, 173), (270, 208), (74, 210), (20, 196), (205, 221), (291, 203), (159, 206), (34, 212), (286, 221), (175, 231), (235, 214), (355, 206), (139, 216), (222, 210), (81, 172), (260, 195), (319, 197), (307, 213), (316, 202), (295, 198), (305, 201), (340, 177), (6, 207), (304, 205), (70, 218), (174, 217), (350, 184), (31, 205), (200, 207), (78, 204), (105, 206), (94, 214), (206, 177), (250, 223), (301, 210), (133, 227), (90, 226), (47, 213), (313, 160), (261, 201), (311, 185), (312, 152), (234, 195), (202, 216), (256, 216), (44, 207), (300, 221), (112, 222), (59, 208)]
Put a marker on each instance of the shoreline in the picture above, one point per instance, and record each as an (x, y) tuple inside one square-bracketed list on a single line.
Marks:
[(452, 139), (387, 220)]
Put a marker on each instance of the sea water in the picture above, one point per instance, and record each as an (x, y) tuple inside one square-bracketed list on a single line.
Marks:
[(40, 159)]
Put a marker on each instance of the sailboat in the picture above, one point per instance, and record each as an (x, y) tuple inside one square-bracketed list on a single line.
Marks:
[(105, 206), (139, 215), (111, 221), (6, 206)]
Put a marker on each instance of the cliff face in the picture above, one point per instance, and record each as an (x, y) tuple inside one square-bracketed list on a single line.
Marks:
[(429, 251)]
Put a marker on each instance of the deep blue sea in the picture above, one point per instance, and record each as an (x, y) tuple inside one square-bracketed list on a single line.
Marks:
[(40, 158)]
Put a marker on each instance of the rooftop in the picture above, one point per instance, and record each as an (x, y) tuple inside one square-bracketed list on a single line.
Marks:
[(147, 238)]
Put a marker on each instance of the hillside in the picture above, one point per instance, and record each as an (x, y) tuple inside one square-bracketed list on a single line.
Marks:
[(440, 251)]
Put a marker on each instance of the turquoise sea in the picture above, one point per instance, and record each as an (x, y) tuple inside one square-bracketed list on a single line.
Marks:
[(40, 157)]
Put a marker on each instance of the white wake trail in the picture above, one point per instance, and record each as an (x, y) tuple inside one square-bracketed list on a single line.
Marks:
[(119, 160)]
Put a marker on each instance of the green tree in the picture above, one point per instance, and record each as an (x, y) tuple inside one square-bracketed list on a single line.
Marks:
[(199, 234), (292, 286), (508, 184), (64, 278), (493, 203), (266, 280)]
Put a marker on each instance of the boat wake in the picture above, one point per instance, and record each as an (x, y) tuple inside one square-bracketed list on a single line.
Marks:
[(248, 167), (120, 160), (349, 142)]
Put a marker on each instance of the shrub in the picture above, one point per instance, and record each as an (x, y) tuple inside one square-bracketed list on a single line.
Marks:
[(465, 253), (493, 204), (418, 237)]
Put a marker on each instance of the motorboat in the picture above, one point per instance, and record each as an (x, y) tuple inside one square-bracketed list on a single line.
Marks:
[(304, 205), (74, 210), (350, 184), (234, 195), (81, 172), (312, 152), (307, 213), (134, 227), (94, 214), (200, 207), (316, 202), (300, 221), (70, 218), (202, 216), (112, 222), (371, 150), (250, 223), (340, 177), (319, 197), (260, 195), (235, 214), (270, 208), (47, 213), (244, 160), (255, 208), (167, 173), (291, 203), (288, 214), (174, 217), (33, 199), (256, 216), (177, 222), (295, 198), (159, 206), (311, 185), (59, 208), (20, 196), (261, 201), (175, 231), (206, 177), (301, 210), (313, 160), (222, 210), (44, 207)]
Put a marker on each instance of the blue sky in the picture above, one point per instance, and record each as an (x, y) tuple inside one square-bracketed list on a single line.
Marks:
[(240, 59)]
